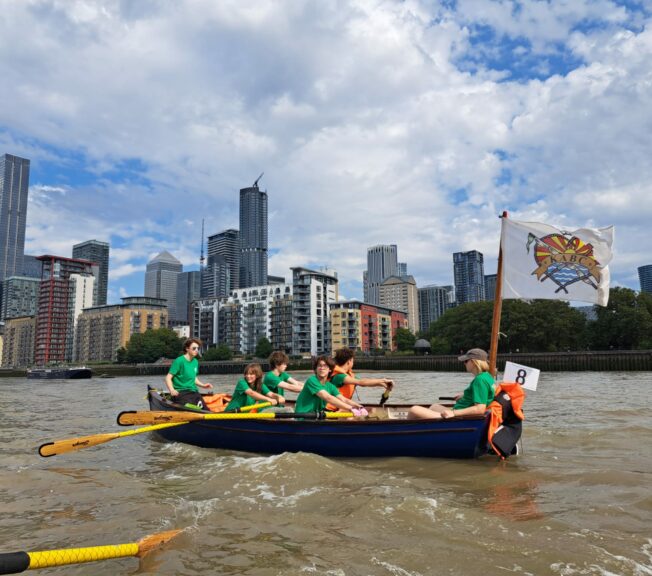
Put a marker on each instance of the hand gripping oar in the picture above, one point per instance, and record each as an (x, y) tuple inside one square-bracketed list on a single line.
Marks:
[(14, 562), (72, 444), (130, 418)]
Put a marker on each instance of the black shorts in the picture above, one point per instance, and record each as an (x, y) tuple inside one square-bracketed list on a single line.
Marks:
[(190, 398)]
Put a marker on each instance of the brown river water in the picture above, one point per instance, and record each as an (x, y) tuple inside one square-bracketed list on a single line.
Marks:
[(578, 500)]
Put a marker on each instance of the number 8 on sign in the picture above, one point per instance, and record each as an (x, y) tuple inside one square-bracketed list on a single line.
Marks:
[(523, 375)]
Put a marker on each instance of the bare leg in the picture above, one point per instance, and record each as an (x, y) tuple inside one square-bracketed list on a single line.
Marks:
[(419, 412)]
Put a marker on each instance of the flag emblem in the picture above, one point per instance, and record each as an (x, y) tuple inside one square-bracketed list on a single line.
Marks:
[(564, 259)]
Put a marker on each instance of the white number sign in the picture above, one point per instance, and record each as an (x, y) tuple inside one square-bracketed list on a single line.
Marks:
[(523, 375)]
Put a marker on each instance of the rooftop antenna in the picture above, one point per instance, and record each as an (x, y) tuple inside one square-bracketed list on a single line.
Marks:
[(256, 182), (201, 257)]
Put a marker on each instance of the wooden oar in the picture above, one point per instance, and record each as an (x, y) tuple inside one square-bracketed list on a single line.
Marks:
[(72, 444), (14, 562), (130, 418)]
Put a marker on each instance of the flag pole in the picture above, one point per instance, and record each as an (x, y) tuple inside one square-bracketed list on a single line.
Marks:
[(498, 309)]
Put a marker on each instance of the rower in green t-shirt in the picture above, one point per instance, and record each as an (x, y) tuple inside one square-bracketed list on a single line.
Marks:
[(318, 391), (251, 389), (182, 379), (277, 379)]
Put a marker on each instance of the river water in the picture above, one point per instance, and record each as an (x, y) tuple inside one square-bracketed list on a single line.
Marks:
[(578, 500)]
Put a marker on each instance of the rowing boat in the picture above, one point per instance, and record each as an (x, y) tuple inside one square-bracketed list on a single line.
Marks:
[(385, 433)]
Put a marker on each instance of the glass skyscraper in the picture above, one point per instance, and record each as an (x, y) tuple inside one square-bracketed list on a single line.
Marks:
[(14, 185), (224, 250), (382, 262), (97, 252), (253, 237), (645, 278), (161, 278), (468, 272)]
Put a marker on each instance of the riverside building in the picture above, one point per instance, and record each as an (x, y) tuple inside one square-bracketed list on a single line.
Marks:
[(433, 302), (645, 278), (401, 294), (18, 345), (19, 297), (313, 293), (468, 274), (98, 252), (382, 262), (224, 252), (253, 237), (102, 330), (14, 186), (364, 327)]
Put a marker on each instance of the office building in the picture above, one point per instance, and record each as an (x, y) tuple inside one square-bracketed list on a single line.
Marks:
[(216, 277), (19, 297), (645, 278), (253, 237), (161, 278), (188, 289), (401, 294), (433, 302), (382, 263), (14, 186), (401, 268), (18, 342), (204, 320), (98, 252), (313, 292), (224, 247), (489, 287), (102, 330), (364, 327), (468, 273), (66, 287), (31, 267)]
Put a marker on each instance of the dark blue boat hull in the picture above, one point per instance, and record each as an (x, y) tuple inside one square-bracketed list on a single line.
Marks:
[(463, 438)]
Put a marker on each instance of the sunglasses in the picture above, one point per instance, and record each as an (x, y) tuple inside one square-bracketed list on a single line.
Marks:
[(194, 347)]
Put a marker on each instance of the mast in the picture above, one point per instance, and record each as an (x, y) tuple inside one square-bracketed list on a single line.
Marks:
[(498, 308)]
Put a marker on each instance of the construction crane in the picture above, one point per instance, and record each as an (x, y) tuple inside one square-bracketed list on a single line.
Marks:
[(201, 258), (256, 182)]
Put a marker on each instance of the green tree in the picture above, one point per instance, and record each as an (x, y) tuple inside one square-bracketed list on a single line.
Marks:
[(221, 352), (151, 345), (263, 348), (404, 339), (624, 324)]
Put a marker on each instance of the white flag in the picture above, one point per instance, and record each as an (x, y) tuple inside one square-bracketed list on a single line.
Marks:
[(541, 261)]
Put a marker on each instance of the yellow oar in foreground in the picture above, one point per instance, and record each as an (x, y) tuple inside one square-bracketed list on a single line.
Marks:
[(131, 418), (14, 562), (72, 444)]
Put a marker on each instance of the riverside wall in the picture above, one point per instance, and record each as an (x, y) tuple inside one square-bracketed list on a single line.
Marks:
[(600, 361)]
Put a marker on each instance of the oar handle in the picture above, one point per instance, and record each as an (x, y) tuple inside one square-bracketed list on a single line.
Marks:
[(447, 397), (14, 562)]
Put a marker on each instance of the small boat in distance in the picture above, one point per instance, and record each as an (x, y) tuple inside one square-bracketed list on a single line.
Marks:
[(60, 373)]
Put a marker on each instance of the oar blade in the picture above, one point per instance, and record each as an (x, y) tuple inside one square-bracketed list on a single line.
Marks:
[(72, 444), (149, 543), (132, 418)]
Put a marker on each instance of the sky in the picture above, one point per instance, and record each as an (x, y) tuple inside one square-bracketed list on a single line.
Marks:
[(413, 123)]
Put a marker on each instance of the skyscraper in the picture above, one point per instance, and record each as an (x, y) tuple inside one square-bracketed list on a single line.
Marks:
[(490, 286), (227, 245), (382, 262), (468, 272), (433, 302), (97, 252), (401, 294), (188, 289), (14, 184), (645, 278), (253, 237), (161, 280), (66, 288)]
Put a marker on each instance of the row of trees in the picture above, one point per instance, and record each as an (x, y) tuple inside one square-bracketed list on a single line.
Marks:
[(546, 326)]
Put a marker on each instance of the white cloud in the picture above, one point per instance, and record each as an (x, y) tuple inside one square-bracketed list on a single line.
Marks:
[(366, 128)]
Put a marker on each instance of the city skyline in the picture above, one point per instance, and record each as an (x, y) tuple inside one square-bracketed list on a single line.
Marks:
[(420, 142)]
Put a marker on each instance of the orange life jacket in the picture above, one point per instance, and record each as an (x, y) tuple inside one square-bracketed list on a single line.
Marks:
[(216, 402), (515, 396), (346, 390)]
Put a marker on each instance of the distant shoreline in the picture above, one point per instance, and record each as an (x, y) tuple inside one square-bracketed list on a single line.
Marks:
[(596, 361)]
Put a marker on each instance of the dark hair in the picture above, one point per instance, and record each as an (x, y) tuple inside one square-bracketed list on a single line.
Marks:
[(188, 343), (326, 359), (277, 358), (343, 355), (258, 371)]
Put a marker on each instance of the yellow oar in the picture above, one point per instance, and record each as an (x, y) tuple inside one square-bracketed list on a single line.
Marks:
[(14, 562), (72, 444), (130, 418)]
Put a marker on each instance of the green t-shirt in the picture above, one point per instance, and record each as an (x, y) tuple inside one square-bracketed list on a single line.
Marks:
[(272, 381), (184, 372), (480, 391), (240, 397), (308, 401), (338, 379)]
